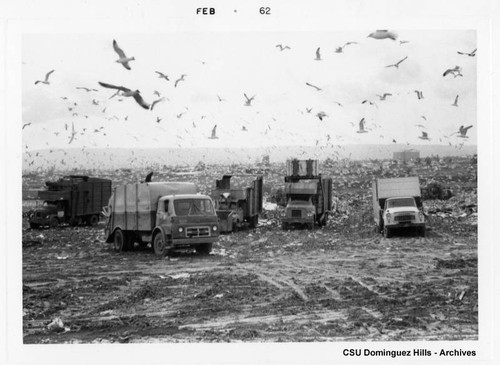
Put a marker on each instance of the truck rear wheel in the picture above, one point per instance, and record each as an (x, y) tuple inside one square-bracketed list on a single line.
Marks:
[(119, 241), (160, 247), (254, 221), (93, 220), (204, 248), (53, 222), (34, 225)]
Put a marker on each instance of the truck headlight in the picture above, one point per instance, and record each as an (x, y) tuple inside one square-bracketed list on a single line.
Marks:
[(310, 214), (421, 216), (388, 217), (181, 229), (214, 228)]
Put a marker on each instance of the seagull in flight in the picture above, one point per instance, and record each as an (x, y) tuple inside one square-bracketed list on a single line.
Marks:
[(318, 55), (397, 63), (453, 71), (124, 60), (179, 79), (26, 125), (73, 133), (472, 54), (214, 131), (220, 99), (314, 86), (455, 103), (162, 75), (362, 126), (463, 131), (424, 136), (281, 47), (383, 34), (403, 42), (127, 92), (46, 81), (382, 97), (85, 88), (341, 49), (369, 102), (419, 93), (248, 102), (156, 101), (321, 115)]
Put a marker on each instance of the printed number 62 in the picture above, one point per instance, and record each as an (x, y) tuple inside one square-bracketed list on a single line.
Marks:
[(265, 10)]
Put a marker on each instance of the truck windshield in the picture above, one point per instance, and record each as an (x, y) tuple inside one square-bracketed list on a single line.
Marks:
[(403, 202), (193, 207)]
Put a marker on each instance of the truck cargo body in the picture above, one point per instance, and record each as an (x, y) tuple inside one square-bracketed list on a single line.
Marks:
[(167, 214), (72, 199), (235, 207), (397, 204)]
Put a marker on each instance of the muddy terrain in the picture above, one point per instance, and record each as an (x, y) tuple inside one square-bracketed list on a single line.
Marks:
[(336, 283)]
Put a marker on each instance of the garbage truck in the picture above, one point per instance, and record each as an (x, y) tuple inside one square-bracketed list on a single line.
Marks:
[(72, 199), (397, 204), (308, 195), (237, 207), (168, 215)]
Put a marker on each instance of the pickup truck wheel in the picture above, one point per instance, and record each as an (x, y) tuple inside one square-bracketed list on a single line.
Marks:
[(160, 247), (53, 222), (93, 220), (204, 248), (119, 241), (387, 232), (284, 226)]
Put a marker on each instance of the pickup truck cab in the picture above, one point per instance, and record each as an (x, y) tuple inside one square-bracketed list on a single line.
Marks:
[(402, 212)]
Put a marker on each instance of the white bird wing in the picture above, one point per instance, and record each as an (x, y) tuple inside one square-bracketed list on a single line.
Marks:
[(118, 49)]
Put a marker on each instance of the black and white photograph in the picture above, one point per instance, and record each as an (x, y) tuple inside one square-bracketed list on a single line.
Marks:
[(234, 186)]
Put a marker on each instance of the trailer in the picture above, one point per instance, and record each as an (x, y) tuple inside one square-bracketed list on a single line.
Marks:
[(168, 215), (397, 204), (73, 199), (237, 207), (307, 193)]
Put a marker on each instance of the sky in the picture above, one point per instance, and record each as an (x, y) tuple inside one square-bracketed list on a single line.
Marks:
[(229, 64)]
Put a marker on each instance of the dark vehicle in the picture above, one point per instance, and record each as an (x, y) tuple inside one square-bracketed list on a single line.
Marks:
[(73, 199), (307, 193), (236, 207)]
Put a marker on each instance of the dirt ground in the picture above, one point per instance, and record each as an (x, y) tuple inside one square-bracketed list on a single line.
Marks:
[(330, 284), (342, 282)]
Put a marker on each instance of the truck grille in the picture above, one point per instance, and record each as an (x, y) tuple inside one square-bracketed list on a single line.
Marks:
[(406, 217), (296, 213), (197, 232)]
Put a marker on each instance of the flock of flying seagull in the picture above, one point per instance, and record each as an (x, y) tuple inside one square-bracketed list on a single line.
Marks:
[(125, 92)]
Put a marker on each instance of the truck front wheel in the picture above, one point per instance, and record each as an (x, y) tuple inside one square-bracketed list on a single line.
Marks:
[(204, 248), (34, 225), (387, 232), (119, 240), (160, 247), (53, 222)]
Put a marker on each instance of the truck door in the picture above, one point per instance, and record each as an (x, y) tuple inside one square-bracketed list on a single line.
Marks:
[(162, 213)]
